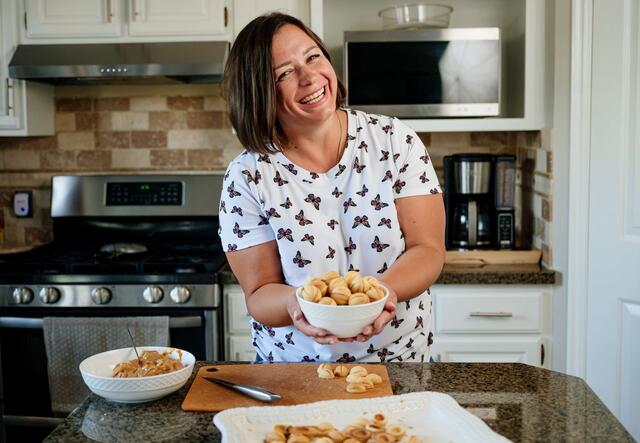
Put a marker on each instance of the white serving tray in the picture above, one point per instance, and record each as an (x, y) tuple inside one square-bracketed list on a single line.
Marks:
[(432, 416)]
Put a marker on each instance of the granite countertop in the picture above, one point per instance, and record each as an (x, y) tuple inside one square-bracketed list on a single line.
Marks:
[(530, 274), (521, 402)]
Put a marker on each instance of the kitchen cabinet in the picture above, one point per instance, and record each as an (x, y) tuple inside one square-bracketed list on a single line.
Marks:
[(64, 18), (122, 21), (184, 17), (246, 10), (525, 62), (492, 323), (473, 323), (25, 108), (238, 341)]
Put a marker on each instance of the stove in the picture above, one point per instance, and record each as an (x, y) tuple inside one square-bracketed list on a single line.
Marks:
[(123, 245)]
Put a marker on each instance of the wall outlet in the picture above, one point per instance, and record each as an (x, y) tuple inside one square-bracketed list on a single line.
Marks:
[(23, 203)]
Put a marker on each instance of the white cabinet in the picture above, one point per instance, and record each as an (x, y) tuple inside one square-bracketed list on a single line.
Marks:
[(122, 21), (246, 10), (25, 108), (184, 17), (73, 18), (237, 328), (492, 323)]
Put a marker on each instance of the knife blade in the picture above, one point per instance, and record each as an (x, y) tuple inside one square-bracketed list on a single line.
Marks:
[(251, 391)]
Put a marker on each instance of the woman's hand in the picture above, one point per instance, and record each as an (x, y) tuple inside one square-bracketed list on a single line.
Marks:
[(388, 313), (320, 335)]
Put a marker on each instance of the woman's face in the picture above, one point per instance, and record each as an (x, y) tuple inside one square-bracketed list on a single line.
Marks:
[(306, 84)]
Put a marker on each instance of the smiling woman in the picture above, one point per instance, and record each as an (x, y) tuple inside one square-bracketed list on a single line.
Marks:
[(322, 188)]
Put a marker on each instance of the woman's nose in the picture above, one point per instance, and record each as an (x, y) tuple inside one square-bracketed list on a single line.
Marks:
[(306, 75)]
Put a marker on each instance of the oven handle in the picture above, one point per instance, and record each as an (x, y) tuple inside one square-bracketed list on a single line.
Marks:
[(36, 323)]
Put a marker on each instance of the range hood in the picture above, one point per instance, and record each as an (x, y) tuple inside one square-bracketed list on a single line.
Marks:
[(115, 63)]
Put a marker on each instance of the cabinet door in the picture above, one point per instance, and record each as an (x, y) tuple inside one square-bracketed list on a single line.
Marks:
[(8, 114), (240, 348), (529, 350), (184, 17), (26, 108), (237, 315), (246, 10), (73, 18)]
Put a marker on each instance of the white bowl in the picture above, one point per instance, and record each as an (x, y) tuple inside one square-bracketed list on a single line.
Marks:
[(96, 372), (343, 321)]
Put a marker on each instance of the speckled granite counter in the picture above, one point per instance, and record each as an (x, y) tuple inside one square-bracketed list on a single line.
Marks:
[(521, 402), (466, 275)]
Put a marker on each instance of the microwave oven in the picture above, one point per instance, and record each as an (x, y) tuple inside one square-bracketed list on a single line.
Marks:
[(451, 72)]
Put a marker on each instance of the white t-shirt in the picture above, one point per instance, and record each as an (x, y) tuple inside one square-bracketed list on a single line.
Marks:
[(343, 219)]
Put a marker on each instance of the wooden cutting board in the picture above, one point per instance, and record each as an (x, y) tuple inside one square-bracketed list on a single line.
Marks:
[(297, 383), (481, 257)]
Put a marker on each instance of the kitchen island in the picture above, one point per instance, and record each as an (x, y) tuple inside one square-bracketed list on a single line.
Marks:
[(521, 402)]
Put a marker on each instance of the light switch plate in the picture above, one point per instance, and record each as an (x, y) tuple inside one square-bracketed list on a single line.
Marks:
[(22, 203)]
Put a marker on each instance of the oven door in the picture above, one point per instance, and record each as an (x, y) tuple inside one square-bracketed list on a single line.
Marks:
[(25, 404)]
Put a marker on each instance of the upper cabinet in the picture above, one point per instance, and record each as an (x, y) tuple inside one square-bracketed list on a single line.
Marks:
[(16, 97), (60, 21), (65, 18), (171, 17), (246, 10)]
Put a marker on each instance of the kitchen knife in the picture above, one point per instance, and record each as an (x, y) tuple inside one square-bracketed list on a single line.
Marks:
[(251, 391)]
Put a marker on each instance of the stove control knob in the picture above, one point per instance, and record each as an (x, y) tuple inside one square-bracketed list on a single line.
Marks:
[(49, 295), (180, 294), (100, 296), (22, 296), (152, 294)]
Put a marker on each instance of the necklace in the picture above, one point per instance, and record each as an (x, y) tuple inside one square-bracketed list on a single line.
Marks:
[(339, 139)]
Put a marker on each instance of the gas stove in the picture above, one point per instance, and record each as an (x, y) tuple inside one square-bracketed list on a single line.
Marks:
[(123, 241)]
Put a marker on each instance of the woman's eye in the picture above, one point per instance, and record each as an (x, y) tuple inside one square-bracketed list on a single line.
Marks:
[(313, 57), (283, 75)]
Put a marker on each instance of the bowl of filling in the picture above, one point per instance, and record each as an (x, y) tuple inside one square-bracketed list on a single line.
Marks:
[(119, 376)]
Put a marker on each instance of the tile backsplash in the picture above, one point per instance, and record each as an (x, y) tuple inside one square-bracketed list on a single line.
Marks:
[(170, 128)]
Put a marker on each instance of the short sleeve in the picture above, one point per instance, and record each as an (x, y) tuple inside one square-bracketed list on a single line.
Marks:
[(242, 222), (416, 175)]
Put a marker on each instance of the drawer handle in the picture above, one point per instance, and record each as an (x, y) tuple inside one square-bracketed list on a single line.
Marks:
[(491, 314)]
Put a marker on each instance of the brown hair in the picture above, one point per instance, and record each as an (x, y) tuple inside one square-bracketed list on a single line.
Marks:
[(249, 88)]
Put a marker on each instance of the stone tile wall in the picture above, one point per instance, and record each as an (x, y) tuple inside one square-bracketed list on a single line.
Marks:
[(165, 128)]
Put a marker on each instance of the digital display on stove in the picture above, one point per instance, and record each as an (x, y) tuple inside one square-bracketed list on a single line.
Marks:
[(144, 194)]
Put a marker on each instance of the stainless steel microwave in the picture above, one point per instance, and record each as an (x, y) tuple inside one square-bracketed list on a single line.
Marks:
[(424, 73)]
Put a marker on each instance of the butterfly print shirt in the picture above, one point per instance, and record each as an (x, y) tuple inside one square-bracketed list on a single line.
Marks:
[(343, 219)]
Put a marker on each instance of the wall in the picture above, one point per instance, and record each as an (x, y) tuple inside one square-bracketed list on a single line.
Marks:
[(162, 128)]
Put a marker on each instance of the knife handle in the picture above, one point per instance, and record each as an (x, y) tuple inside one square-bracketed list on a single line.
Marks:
[(251, 391)]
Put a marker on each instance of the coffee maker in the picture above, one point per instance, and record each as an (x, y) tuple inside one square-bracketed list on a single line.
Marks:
[(479, 200)]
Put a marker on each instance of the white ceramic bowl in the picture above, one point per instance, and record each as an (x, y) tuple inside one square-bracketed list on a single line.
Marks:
[(96, 373), (343, 321)]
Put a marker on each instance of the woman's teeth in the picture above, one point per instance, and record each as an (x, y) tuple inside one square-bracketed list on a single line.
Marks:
[(316, 96)]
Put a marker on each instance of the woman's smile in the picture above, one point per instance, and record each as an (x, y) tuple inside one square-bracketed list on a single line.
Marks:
[(314, 97)]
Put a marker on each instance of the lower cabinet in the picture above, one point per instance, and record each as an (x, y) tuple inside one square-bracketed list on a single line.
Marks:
[(492, 324), (473, 323), (236, 325)]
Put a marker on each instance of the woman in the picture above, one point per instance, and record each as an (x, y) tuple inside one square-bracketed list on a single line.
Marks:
[(320, 188)]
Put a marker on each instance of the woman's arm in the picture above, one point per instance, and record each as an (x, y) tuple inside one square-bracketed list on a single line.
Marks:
[(269, 300), (422, 221)]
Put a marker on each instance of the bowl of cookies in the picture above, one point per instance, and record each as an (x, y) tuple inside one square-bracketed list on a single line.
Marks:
[(342, 304)]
